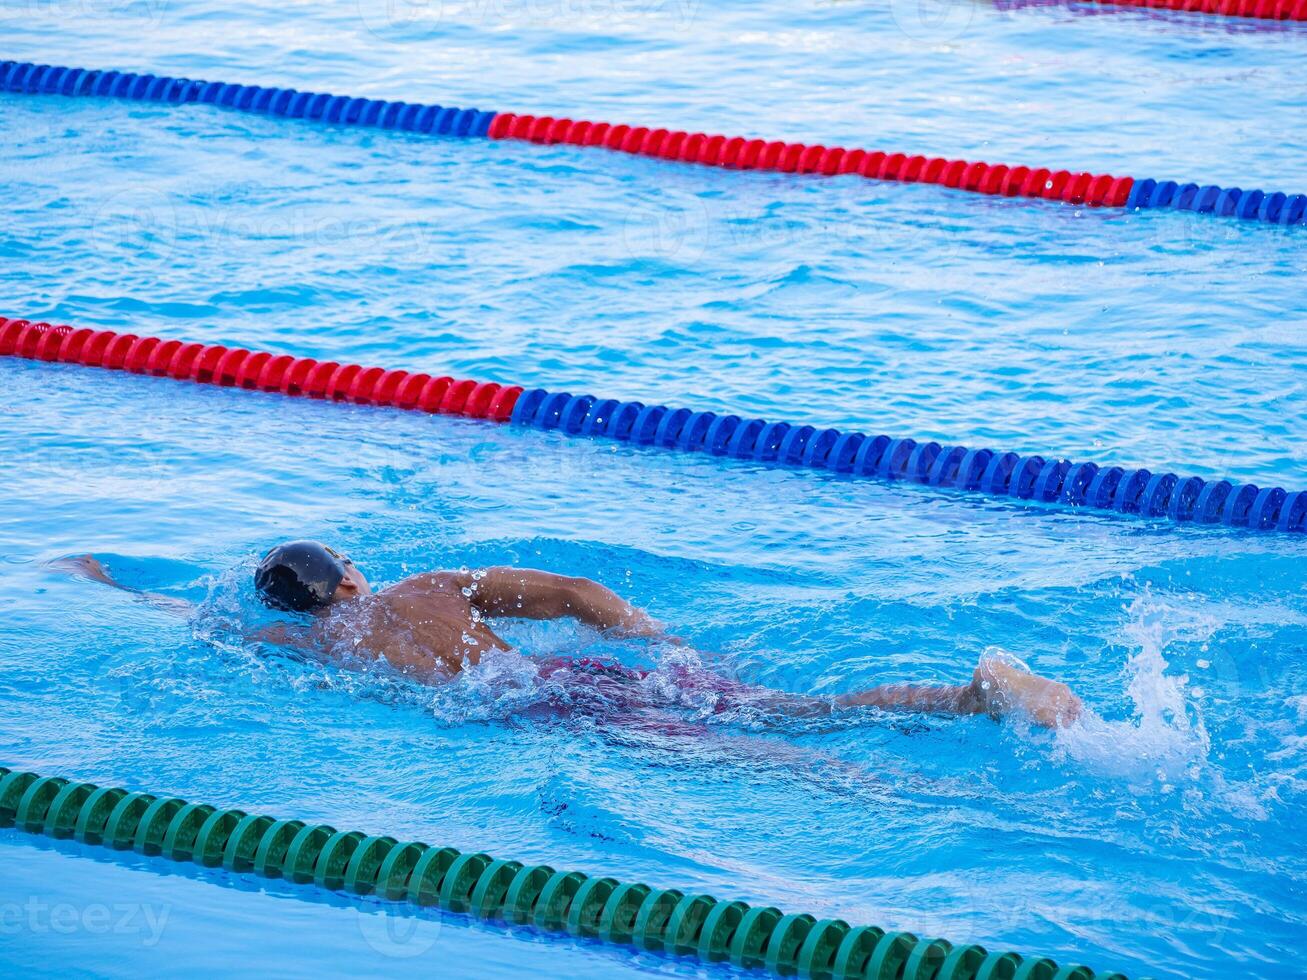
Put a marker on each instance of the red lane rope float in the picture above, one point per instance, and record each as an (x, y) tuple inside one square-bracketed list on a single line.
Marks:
[(1094, 190), (237, 367), (1262, 9)]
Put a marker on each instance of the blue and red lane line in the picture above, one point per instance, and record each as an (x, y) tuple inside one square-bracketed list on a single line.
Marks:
[(1288, 11), (1047, 480), (734, 152), (1260, 9)]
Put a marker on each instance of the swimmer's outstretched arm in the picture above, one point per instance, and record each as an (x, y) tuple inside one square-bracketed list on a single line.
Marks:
[(90, 567), (525, 593), (997, 689)]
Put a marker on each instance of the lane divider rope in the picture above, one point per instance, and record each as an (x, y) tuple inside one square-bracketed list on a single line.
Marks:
[(1262, 9), (603, 909), (736, 152), (1032, 478), (240, 368)]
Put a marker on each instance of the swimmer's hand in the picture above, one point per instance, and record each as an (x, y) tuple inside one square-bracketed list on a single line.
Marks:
[(86, 566), (999, 689), (91, 568), (639, 625)]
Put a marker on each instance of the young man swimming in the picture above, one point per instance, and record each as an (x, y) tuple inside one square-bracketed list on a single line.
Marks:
[(431, 626)]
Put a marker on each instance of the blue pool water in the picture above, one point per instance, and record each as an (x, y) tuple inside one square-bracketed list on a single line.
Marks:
[(1159, 838)]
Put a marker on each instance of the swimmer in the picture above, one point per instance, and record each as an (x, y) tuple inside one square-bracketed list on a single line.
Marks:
[(433, 625)]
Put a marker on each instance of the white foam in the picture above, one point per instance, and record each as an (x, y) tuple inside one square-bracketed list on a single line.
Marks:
[(1164, 741)]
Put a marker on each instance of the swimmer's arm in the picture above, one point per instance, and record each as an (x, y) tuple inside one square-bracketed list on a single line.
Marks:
[(284, 636), (997, 689), (528, 594), (942, 699), (921, 698), (91, 568)]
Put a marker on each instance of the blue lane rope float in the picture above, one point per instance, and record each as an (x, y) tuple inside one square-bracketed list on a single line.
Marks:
[(1033, 478), (738, 153), (666, 921), (342, 110), (1036, 478)]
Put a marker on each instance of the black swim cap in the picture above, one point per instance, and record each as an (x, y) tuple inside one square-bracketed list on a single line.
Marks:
[(298, 576)]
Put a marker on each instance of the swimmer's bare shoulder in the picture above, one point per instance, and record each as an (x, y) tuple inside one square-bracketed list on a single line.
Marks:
[(375, 627), (431, 584)]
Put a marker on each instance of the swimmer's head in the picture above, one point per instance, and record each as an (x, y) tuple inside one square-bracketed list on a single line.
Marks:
[(301, 576)]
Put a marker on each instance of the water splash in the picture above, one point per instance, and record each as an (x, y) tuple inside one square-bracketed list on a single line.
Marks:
[(1164, 742), (229, 619), (502, 685)]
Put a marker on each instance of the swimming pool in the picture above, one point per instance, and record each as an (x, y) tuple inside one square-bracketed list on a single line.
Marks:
[(1159, 840)]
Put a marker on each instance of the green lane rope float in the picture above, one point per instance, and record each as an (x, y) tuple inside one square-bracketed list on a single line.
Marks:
[(666, 921)]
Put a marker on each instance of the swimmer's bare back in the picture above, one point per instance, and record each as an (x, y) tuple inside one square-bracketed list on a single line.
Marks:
[(432, 625)]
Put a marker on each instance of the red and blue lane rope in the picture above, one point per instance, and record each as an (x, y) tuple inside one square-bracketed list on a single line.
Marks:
[(1260, 9), (734, 152), (1036, 478), (1278, 10)]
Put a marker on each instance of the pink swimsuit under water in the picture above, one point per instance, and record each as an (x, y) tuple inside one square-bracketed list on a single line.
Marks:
[(594, 685)]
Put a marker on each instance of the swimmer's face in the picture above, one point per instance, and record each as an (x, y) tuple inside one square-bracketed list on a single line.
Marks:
[(353, 583)]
